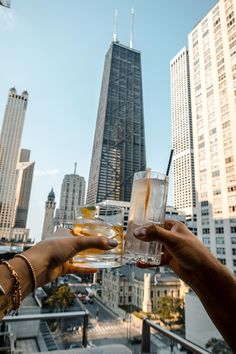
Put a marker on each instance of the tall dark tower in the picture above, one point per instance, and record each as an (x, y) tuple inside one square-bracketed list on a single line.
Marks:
[(119, 143)]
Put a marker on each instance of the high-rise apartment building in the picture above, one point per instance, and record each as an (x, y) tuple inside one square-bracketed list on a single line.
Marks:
[(10, 140), (182, 138), (212, 53), (119, 143), (72, 195)]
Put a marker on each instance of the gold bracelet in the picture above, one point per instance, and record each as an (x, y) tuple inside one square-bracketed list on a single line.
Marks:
[(16, 293), (2, 291), (30, 266)]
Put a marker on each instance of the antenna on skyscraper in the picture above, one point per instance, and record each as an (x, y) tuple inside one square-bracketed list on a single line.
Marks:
[(132, 29), (116, 26), (75, 168)]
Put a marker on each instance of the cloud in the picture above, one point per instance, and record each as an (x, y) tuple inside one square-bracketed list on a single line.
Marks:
[(40, 173), (7, 19)]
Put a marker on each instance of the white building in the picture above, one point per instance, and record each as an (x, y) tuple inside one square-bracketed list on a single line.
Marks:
[(72, 196), (182, 138), (125, 288), (10, 140), (212, 58), (199, 328)]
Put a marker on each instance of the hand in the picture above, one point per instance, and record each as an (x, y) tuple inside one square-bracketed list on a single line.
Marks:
[(182, 251), (50, 258)]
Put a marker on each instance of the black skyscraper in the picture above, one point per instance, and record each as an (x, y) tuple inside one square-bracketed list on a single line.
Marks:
[(119, 143)]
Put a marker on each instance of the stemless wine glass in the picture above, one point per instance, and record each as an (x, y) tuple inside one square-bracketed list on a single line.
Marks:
[(148, 206), (99, 220)]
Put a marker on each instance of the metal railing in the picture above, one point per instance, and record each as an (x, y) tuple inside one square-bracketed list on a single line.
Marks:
[(53, 316), (6, 343), (146, 339)]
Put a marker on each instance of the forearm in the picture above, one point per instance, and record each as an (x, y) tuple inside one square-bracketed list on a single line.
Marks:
[(211, 283), (7, 283)]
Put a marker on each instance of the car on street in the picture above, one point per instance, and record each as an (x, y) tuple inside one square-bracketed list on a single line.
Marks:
[(135, 340)]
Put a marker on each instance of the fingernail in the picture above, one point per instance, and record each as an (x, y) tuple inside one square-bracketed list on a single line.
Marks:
[(112, 243), (141, 231)]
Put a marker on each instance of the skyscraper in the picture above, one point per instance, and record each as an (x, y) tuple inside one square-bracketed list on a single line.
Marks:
[(119, 142), (48, 223), (182, 138), (72, 195), (212, 53), (10, 140)]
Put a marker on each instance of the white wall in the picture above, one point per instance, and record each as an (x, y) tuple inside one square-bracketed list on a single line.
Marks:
[(199, 327)]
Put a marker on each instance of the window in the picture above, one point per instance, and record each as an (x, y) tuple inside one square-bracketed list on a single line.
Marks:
[(233, 240), (222, 260), (234, 251), (206, 231), (219, 230), (220, 240), (206, 240), (221, 250), (233, 229)]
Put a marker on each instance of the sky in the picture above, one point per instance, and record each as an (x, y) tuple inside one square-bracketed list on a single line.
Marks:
[(56, 49)]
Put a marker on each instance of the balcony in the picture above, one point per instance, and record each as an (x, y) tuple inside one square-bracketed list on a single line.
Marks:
[(148, 328)]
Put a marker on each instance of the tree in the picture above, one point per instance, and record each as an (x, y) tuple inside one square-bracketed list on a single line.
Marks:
[(218, 346), (60, 298), (170, 307)]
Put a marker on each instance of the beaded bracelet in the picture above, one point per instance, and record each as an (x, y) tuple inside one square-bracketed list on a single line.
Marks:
[(16, 292), (30, 266)]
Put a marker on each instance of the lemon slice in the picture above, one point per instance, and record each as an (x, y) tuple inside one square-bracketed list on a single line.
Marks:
[(88, 212)]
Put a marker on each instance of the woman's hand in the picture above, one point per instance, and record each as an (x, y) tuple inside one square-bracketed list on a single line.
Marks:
[(182, 251), (50, 258)]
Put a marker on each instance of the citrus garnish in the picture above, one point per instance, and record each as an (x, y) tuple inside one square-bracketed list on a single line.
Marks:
[(88, 212)]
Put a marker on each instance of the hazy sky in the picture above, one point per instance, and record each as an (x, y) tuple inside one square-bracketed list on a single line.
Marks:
[(56, 48)]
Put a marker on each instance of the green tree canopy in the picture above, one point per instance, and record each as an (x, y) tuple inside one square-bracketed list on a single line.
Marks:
[(61, 298), (218, 346), (169, 306)]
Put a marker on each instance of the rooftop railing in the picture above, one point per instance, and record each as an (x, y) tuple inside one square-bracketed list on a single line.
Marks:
[(174, 338), (146, 331), (50, 316)]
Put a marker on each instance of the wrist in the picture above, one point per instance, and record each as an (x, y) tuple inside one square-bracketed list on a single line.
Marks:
[(209, 275)]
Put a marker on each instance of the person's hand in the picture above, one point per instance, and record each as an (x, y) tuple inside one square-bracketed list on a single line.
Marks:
[(50, 258), (182, 251)]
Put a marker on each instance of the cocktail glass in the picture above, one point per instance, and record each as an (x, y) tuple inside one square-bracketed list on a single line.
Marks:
[(99, 220), (148, 206)]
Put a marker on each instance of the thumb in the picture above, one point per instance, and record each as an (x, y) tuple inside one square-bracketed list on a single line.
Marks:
[(103, 243), (156, 233)]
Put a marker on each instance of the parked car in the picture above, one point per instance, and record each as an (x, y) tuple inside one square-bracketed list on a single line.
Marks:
[(136, 340), (74, 345)]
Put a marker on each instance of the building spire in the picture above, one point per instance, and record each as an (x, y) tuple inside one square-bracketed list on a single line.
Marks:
[(75, 168), (116, 27), (132, 29)]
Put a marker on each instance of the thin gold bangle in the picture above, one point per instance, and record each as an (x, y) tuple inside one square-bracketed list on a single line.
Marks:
[(30, 266), (16, 293)]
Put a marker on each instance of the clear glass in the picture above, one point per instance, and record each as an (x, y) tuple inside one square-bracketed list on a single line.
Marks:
[(99, 220), (148, 206)]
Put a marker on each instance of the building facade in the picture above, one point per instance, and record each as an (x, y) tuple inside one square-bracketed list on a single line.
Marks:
[(182, 138), (119, 143), (212, 58), (24, 183), (72, 196), (10, 140), (133, 288), (49, 223)]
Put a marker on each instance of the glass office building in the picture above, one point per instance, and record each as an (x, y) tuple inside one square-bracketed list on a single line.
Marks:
[(119, 143)]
